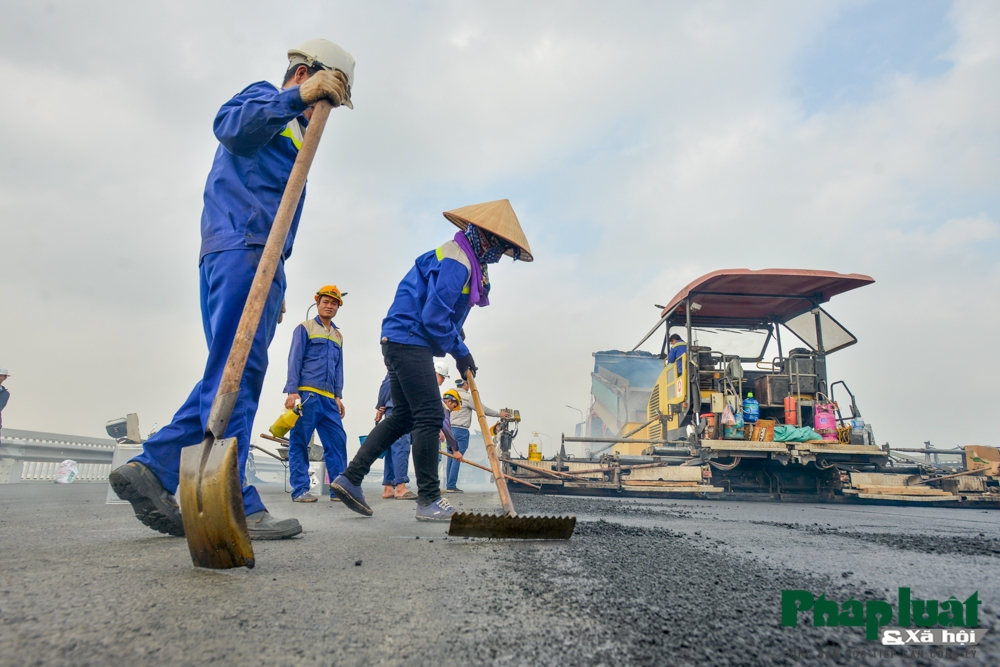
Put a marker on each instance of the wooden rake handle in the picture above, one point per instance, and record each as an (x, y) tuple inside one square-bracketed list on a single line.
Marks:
[(476, 465), (491, 452)]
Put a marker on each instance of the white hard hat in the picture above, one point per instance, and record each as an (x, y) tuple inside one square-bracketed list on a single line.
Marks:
[(441, 368), (4, 371), (323, 53)]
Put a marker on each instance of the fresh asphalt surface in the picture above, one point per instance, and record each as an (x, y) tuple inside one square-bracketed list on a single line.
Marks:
[(642, 582)]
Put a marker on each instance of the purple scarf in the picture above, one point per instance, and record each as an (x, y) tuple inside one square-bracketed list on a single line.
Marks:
[(477, 291)]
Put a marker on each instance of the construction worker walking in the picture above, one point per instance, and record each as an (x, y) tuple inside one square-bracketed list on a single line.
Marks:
[(316, 380), (425, 321), (260, 131)]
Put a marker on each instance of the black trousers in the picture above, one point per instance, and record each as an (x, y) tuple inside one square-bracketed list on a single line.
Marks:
[(416, 409)]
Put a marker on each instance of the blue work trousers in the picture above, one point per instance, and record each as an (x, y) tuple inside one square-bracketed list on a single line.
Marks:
[(396, 465), (225, 284), (319, 413), (462, 438)]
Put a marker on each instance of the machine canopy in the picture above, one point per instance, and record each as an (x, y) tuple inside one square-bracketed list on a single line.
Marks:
[(747, 299)]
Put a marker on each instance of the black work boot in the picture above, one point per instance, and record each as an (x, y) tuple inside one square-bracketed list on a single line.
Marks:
[(263, 526), (153, 505)]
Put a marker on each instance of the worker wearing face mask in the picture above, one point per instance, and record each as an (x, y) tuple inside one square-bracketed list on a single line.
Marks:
[(424, 321)]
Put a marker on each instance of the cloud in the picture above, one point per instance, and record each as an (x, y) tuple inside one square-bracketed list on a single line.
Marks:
[(641, 145), (956, 234)]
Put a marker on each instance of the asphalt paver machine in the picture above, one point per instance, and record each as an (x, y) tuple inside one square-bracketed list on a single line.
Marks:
[(760, 335), (731, 323)]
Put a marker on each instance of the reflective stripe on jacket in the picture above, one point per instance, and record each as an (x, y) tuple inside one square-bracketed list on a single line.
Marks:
[(315, 362), (677, 350), (432, 302), (259, 133)]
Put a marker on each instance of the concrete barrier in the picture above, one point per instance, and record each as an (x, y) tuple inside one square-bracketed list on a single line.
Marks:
[(34, 456)]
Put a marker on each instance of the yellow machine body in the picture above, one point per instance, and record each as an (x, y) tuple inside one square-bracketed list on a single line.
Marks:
[(670, 389)]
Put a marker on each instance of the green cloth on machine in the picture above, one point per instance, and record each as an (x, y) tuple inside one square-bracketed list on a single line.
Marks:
[(786, 433)]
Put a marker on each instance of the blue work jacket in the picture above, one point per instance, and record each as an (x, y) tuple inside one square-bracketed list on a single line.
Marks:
[(259, 132), (316, 360), (432, 302), (677, 350), (384, 396), (449, 435)]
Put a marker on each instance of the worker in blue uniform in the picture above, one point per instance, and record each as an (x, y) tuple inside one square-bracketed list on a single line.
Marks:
[(259, 132), (316, 382), (452, 402), (425, 321), (396, 461), (678, 348)]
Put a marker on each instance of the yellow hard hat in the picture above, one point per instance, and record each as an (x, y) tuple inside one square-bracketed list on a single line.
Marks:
[(453, 395), (331, 291)]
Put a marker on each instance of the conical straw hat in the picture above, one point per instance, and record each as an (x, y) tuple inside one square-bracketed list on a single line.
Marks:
[(497, 217)]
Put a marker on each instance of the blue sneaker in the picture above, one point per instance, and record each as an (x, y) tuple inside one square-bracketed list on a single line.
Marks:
[(351, 495), (439, 510)]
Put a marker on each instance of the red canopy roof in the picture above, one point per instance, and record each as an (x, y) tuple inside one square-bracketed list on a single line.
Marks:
[(767, 294)]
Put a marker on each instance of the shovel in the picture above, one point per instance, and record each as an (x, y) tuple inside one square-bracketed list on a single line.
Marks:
[(211, 498), (510, 525)]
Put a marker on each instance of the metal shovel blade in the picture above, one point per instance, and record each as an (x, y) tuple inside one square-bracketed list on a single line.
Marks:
[(494, 526), (212, 505)]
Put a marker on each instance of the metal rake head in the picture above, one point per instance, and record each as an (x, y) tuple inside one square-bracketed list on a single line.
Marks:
[(466, 524)]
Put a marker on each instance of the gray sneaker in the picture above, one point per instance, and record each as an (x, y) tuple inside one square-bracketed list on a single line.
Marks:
[(263, 526), (305, 498), (439, 510), (455, 490), (153, 505)]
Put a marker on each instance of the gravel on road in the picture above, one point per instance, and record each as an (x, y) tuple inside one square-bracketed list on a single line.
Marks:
[(641, 583)]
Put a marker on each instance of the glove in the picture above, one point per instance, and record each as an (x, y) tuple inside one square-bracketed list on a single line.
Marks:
[(466, 363), (325, 84)]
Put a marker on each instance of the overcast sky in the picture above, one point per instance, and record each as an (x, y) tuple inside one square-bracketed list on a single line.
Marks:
[(641, 145)]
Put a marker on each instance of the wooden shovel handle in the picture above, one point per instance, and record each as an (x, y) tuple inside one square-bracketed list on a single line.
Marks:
[(233, 373), (491, 452)]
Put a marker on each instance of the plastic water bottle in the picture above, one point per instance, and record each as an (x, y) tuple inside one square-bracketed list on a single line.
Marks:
[(751, 409), (858, 430)]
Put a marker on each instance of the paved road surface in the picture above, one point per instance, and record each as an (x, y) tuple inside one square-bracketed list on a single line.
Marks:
[(642, 583)]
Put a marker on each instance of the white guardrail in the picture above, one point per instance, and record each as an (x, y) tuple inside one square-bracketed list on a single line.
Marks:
[(34, 456), (262, 469)]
